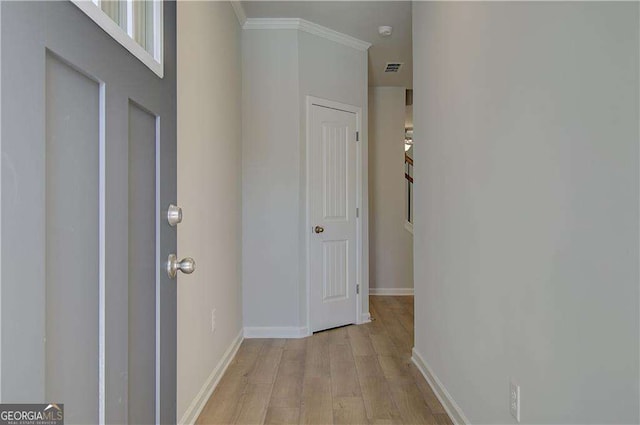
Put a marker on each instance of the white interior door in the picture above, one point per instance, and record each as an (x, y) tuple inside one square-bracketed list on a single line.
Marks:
[(88, 313), (333, 246)]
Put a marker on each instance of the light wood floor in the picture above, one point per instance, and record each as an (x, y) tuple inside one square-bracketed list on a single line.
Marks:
[(351, 375)]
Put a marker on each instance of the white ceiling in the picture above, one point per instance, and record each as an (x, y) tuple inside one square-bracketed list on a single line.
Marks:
[(359, 19)]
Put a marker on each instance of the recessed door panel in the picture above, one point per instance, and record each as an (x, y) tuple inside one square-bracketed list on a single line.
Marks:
[(335, 189), (335, 279), (142, 265), (72, 114)]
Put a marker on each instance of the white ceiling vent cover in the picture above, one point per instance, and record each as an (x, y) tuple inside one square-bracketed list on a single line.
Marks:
[(393, 66)]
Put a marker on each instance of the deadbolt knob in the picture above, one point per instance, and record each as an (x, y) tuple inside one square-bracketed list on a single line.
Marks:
[(174, 215)]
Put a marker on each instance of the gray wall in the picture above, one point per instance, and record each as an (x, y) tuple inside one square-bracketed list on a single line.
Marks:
[(391, 244), (270, 178), (526, 228), (280, 68)]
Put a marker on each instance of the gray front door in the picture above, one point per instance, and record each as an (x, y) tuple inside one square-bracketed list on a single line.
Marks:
[(88, 141)]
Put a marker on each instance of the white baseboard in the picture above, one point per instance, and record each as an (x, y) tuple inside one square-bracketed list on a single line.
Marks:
[(390, 291), (195, 408), (289, 332), (453, 410)]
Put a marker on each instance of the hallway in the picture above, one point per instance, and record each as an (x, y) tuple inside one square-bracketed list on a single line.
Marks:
[(351, 375)]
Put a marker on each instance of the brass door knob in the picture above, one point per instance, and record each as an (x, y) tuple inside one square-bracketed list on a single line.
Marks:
[(318, 229)]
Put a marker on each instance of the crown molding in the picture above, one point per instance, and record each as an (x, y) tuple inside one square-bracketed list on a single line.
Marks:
[(239, 11), (306, 26), (272, 24)]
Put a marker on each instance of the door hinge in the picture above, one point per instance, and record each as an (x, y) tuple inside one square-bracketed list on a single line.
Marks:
[(357, 212), (357, 136), (358, 289)]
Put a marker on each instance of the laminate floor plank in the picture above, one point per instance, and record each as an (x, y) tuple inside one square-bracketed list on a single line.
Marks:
[(427, 393), (339, 353), (265, 370), (349, 411), (282, 416), (287, 389), (410, 403), (225, 402), (349, 375), (377, 398), (254, 404), (394, 366), (344, 380), (317, 358), (317, 404), (383, 345), (368, 367)]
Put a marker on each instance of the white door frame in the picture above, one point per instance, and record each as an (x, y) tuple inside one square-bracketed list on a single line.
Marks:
[(360, 231)]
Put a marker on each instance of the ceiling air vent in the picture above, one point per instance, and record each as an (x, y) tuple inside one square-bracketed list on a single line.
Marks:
[(393, 67)]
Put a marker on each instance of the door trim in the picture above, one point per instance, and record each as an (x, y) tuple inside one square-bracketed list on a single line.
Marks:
[(361, 162)]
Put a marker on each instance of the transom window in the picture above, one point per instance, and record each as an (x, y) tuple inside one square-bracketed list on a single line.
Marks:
[(135, 24)]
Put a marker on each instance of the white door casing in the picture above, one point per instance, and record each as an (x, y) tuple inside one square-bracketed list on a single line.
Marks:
[(332, 159)]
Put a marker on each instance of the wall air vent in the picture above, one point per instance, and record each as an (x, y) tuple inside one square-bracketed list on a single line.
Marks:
[(393, 67)]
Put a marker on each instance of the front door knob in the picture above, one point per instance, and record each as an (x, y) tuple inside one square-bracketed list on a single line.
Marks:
[(186, 265), (318, 229)]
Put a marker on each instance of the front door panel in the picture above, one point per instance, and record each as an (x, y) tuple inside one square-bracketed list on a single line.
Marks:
[(88, 139)]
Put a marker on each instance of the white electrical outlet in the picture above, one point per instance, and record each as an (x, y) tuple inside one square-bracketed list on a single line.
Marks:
[(514, 400), (213, 320)]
